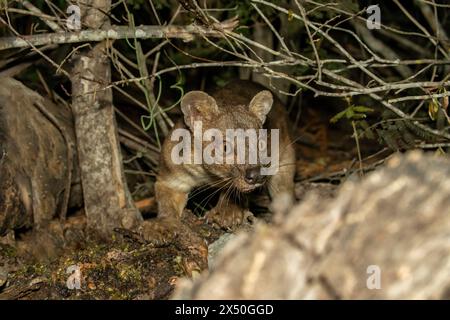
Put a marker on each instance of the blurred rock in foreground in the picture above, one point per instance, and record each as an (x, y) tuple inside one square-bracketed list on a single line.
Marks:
[(386, 237)]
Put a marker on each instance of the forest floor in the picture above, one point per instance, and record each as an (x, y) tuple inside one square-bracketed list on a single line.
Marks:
[(129, 269)]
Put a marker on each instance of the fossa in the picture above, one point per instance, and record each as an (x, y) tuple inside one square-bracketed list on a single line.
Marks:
[(239, 105)]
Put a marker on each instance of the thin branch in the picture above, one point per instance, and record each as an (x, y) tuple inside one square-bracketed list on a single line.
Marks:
[(186, 33)]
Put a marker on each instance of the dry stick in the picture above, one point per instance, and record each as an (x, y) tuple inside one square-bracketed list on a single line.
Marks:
[(140, 141), (306, 61), (264, 65), (424, 97), (53, 63), (390, 106), (281, 75), (338, 175), (155, 13), (49, 20), (156, 48), (148, 89), (363, 90), (275, 32), (434, 23), (54, 26), (436, 5), (400, 39), (326, 6), (353, 91), (254, 64), (54, 8), (133, 145), (130, 122), (421, 70), (114, 58), (132, 79), (389, 64), (422, 28), (366, 47), (15, 70), (17, 55), (377, 89), (187, 33), (400, 32), (403, 41), (71, 53), (238, 36), (124, 58), (147, 86), (114, 85), (44, 84), (313, 45), (242, 51), (326, 36), (140, 145), (136, 101), (242, 55), (160, 111), (380, 47), (355, 133), (196, 11), (235, 53), (432, 145), (194, 65), (350, 17)]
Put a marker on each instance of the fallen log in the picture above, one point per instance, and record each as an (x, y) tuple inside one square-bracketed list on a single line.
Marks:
[(38, 160), (385, 237)]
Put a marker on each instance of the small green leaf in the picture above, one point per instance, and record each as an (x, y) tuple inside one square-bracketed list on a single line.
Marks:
[(362, 109), (338, 116), (352, 113)]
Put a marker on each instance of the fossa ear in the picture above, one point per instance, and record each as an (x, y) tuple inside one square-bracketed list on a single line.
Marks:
[(198, 106), (261, 104)]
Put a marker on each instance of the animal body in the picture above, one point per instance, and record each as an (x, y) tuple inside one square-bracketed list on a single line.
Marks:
[(240, 105)]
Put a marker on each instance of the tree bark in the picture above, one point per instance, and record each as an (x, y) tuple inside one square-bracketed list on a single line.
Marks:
[(107, 201)]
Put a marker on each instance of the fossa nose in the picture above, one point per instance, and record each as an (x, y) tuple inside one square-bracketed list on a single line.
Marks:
[(253, 175)]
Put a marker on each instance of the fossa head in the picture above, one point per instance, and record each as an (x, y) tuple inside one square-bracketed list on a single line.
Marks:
[(220, 125)]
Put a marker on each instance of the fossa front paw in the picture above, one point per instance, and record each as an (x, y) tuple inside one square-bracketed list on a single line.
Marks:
[(159, 232), (228, 218)]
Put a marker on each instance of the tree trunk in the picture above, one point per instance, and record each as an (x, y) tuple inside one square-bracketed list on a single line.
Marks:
[(107, 201)]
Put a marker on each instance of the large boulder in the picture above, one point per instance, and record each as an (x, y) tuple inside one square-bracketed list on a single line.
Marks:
[(387, 237)]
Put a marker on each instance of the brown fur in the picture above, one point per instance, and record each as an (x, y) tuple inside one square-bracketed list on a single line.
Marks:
[(241, 105)]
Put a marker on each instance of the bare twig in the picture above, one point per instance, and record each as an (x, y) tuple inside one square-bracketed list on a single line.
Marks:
[(185, 33)]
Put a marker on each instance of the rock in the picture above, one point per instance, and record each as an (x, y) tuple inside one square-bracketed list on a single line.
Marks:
[(217, 246), (385, 237)]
